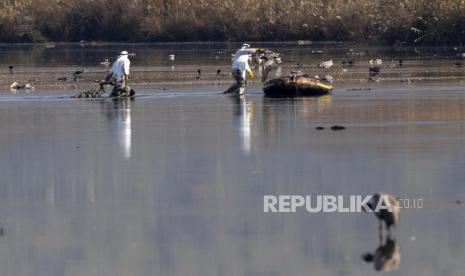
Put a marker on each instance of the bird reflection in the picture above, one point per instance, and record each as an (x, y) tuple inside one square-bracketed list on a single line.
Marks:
[(243, 112), (386, 257)]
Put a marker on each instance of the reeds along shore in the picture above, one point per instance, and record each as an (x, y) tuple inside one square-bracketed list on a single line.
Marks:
[(379, 21)]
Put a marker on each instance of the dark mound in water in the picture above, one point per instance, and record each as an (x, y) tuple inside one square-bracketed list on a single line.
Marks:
[(296, 85), (337, 128), (121, 90)]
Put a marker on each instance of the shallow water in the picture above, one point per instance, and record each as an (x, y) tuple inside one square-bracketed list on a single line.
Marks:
[(172, 182)]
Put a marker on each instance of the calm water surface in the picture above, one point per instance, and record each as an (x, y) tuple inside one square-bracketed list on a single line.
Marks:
[(172, 182)]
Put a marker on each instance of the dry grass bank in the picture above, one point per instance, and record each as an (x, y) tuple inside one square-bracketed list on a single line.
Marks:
[(382, 21)]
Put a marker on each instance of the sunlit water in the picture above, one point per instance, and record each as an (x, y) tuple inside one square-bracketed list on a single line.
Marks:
[(172, 182)]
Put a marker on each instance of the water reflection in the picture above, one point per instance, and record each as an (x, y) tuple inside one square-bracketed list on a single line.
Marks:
[(277, 111), (386, 257), (120, 115), (243, 115)]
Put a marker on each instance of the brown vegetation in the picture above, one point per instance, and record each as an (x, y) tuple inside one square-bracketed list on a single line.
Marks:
[(386, 21)]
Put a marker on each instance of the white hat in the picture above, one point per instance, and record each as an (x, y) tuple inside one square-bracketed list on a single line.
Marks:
[(123, 53), (246, 45)]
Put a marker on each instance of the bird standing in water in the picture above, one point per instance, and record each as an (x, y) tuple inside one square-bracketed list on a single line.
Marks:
[(77, 74), (389, 215)]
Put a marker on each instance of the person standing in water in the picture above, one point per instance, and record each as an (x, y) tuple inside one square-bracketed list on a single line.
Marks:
[(241, 69), (119, 72)]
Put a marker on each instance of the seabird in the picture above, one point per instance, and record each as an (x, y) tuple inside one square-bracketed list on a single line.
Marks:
[(389, 216), (326, 64)]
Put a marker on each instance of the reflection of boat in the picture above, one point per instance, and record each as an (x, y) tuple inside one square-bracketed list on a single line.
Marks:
[(296, 85)]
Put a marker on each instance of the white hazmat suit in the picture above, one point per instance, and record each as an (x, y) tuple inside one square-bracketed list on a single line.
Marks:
[(240, 67), (120, 68)]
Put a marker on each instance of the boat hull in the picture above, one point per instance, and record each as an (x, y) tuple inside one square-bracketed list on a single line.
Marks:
[(301, 86)]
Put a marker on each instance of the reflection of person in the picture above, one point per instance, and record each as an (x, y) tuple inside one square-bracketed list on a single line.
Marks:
[(243, 113), (241, 69), (122, 118), (118, 113), (119, 72)]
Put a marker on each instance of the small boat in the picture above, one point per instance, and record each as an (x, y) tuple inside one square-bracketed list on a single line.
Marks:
[(296, 85)]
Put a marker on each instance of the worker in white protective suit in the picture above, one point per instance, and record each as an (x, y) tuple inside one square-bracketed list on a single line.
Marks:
[(119, 72), (241, 69)]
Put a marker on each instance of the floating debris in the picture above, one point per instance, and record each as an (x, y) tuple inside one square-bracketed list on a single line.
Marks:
[(319, 128)]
